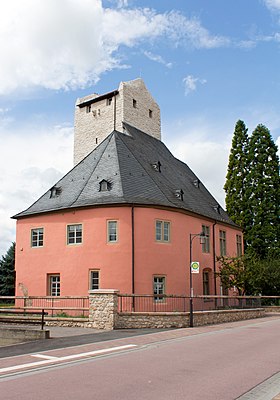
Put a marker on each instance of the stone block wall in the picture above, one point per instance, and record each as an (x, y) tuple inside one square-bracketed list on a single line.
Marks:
[(181, 320), (132, 103), (103, 308), (139, 108)]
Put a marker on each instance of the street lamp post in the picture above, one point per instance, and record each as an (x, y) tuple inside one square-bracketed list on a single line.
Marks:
[(202, 240)]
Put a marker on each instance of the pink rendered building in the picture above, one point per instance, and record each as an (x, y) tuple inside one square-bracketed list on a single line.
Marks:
[(123, 218)]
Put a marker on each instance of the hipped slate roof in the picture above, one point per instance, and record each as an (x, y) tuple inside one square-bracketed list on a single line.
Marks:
[(139, 170)]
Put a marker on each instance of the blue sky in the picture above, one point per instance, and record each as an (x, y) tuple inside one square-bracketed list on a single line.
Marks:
[(206, 63)]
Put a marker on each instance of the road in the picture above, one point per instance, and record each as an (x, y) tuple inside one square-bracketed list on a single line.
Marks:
[(215, 363)]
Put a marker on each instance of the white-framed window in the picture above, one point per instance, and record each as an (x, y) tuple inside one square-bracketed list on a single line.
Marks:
[(223, 243), (238, 245), (159, 287), (206, 242), (162, 231), (94, 279), (74, 234), (37, 237), (54, 285), (112, 231)]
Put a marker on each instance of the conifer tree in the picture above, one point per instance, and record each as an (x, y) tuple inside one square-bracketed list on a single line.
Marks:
[(262, 194), (7, 273), (237, 175)]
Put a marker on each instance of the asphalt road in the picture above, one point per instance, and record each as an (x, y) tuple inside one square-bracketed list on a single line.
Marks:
[(219, 363)]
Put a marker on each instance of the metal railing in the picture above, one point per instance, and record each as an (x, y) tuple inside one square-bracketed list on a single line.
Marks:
[(172, 303), (64, 306)]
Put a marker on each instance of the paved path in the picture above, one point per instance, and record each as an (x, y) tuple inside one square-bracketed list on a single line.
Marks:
[(212, 362)]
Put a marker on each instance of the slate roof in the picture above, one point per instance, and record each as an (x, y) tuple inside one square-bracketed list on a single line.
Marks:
[(130, 163)]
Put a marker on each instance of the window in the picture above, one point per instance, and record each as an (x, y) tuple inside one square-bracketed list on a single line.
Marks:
[(88, 108), (93, 279), (37, 237), (206, 283), (151, 113), (238, 245), (134, 103), (162, 231), (109, 101), (206, 243), (112, 231), (54, 285), (159, 287), (223, 248), (104, 186), (55, 191), (74, 234)]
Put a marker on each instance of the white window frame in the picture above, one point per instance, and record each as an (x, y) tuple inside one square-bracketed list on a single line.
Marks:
[(94, 281), (162, 231), (159, 287), (112, 231), (37, 237), (75, 238), (54, 285)]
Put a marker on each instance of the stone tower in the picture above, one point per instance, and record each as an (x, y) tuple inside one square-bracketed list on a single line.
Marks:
[(96, 116)]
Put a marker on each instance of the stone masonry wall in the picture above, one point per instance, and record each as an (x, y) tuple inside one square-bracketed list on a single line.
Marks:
[(146, 114), (103, 308), (181, 320), (92, 127)]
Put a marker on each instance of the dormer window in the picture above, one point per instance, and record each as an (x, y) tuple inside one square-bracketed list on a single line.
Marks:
[(55, 191), (104, 186), (179, 194), (217, 208), (134, 103), (157, 166)]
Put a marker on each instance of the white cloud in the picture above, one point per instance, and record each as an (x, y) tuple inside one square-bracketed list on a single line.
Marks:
[(273, 5), (190, 83), (157, 58), (204, 147), (25, 172), (70, 43)]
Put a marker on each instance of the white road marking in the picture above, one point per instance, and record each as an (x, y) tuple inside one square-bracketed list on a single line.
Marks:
[(66, 358), (45, 356)]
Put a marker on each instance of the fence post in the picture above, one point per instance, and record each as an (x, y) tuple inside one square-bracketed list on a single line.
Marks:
[(103, 308)]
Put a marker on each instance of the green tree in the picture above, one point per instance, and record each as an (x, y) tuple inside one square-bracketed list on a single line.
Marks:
[(236, 176), (233, 273), (263, 276), (7, 273), (262, 194)]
